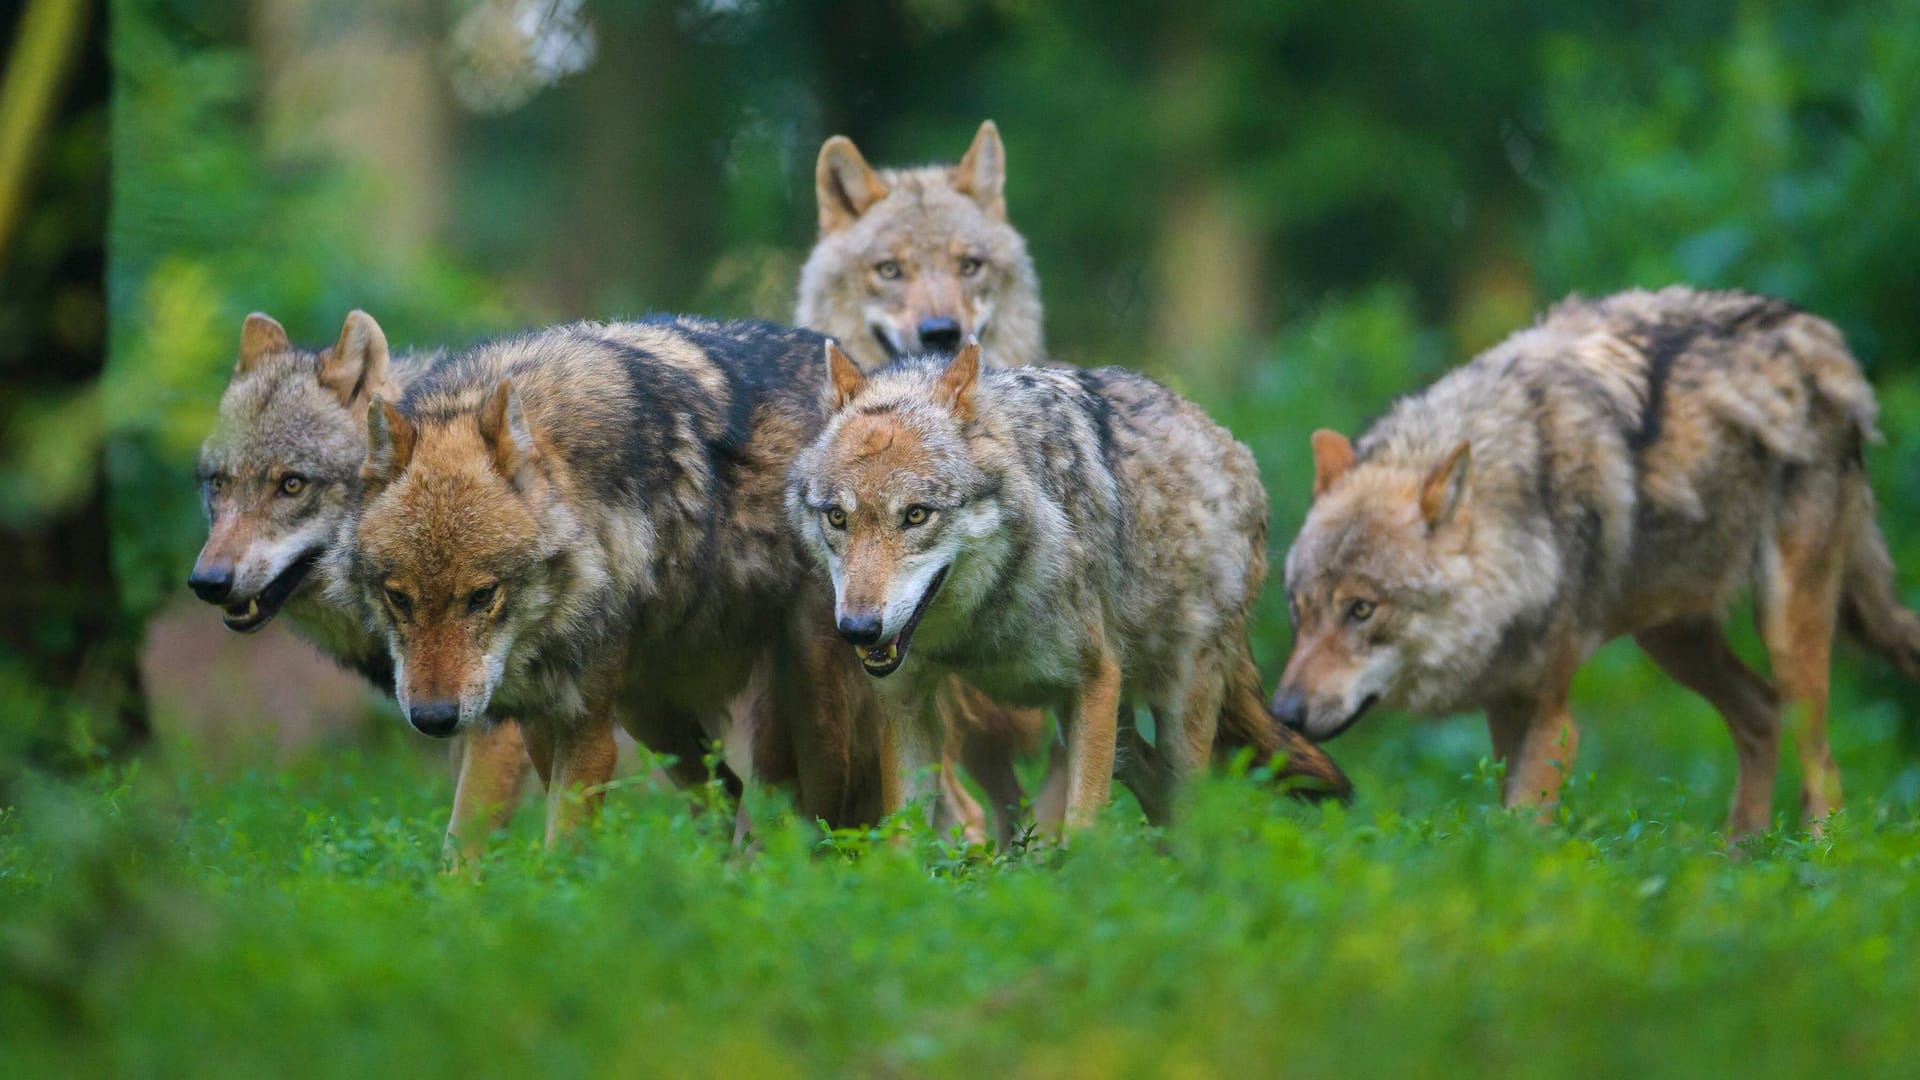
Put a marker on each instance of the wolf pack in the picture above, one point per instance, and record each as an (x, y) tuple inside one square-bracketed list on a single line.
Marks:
[(859, 560)]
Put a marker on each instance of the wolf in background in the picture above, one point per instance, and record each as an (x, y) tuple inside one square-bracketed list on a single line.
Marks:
[(586, 523), (278, 476), (922, 258), (1074, 539), (1626, 466)]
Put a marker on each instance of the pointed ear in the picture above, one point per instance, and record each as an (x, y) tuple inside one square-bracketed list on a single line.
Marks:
[(390, 438), (956, 384), (356, 367), (844, 377), (1445, 488), (503, 426), (1332, 455), (260, 337), (844, 184), (982, 173)]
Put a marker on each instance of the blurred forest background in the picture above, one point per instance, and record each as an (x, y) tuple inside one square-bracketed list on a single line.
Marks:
[(1292, 212)]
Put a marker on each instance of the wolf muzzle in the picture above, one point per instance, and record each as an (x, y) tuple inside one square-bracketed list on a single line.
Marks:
[(436, 718), (212, 584), (939, 334)]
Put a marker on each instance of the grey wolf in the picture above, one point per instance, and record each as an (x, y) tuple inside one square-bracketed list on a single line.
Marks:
[(278, 476), (1076, 539), (920, 259), (912, 259), (1627, 466), (585, 524)]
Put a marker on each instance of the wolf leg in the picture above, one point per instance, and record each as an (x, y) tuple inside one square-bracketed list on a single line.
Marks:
[(1092, 733), (912, 741), (988, 738), (1537, 739), (1694, 653), (583, 760), (493, 761), (1799, 598)]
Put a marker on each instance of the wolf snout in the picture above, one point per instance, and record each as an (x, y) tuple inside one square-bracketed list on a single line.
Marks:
[(212, 583), (941, 334), (1290, 708), (861, 629), (438, 718)]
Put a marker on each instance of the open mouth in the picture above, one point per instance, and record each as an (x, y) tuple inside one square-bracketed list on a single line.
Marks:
[(1352, 718), (259, 610), (885, 658), (886, 344)]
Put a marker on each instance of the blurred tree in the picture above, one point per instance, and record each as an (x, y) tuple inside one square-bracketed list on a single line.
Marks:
[(67, 646)]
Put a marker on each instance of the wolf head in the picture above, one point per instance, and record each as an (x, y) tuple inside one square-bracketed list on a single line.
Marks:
[(916, 260), (892, 502), (454, 553), (278, 475), (1379, 585)]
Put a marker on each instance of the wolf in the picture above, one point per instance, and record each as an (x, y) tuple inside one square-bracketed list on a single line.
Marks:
[(1080, 539), (912, 259), (584, 524), (1627, 466), (920, 259), (278, 476)]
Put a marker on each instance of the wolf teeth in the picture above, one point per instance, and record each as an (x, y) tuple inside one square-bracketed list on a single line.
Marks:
[(253, 608)]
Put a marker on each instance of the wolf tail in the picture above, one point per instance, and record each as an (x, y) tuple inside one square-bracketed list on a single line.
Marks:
[(1304, 770), (1870, 608)]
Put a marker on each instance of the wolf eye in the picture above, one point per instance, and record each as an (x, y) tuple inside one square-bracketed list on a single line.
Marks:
[(292, 484), (402, 606), (917, 515), (888, 270), (480, 598), (1360, 611), (836, 517), (970, 266)]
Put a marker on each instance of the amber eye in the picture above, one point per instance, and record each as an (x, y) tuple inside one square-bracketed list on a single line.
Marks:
[(1360, 611), (970, 266), (836, 517), (217, 482), (402, 606), (480, 598), (888, 270), (917, 515), (292, 484)]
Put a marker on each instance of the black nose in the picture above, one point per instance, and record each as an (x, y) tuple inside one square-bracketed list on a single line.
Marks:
[(860, 629), (1290, 708), (437, 719), (212, 584), (942, 335)]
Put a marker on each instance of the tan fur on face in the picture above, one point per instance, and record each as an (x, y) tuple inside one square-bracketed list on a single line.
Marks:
[(927, 221), (451, 524)]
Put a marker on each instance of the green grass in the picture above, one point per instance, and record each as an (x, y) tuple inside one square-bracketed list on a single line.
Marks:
[(294, 921)]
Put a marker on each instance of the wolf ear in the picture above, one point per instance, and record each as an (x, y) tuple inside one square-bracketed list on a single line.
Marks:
[(260, 337), (1332, 456), (982, 173), (503, 426), (844, 184), (1445, 488), (956, 384), (356, 367), (844, 377), (390, 438)]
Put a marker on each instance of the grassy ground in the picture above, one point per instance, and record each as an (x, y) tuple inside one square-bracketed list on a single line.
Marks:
[(294, 921)]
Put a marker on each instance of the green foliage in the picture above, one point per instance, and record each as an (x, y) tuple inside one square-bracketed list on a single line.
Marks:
[(296, 922)]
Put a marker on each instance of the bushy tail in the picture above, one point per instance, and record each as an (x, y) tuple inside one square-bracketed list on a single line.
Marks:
[(1871, 610), (1307, 772)]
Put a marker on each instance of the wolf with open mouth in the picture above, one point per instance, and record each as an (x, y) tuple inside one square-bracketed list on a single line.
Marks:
[(278, 477), (1082, 540)]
